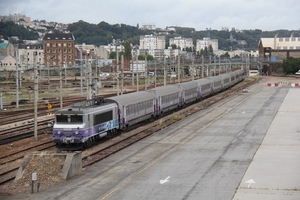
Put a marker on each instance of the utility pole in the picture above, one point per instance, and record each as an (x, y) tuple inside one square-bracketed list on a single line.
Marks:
[(60, 82), (122, 73), (193, 67), (165, 81), (81, 72), (17, 80), (89, 79), (178, 68), (146, 71), (48, 72), (137, 71), (117, 68), (65, 66), (35, 93), (155, 75)]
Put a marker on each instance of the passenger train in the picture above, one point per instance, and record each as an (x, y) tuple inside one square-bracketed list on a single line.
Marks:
[(92, 119)]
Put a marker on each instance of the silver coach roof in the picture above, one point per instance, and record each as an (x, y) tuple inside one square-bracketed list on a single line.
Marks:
[(170, 89), (132, 98)]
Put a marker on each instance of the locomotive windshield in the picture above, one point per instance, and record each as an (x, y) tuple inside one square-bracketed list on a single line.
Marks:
[(69, 119)]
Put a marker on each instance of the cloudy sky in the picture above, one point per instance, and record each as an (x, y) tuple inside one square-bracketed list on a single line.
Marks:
[(266, 15)]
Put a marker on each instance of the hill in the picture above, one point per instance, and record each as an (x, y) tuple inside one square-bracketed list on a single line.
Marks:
[(104, 33)]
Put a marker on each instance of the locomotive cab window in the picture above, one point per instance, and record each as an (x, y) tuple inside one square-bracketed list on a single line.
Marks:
[(69, 119), (61, 118), (76, 119)]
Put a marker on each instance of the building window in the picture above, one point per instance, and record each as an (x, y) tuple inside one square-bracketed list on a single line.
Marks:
[(284, 47), (48, 44), (65, 44), (293, 39), (287, 39), (280, 39), (297, 47), (291, 47), (59, 45)]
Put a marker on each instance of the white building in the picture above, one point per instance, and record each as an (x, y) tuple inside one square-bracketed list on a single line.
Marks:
[(148, 27), (7, 63), (206, 42), (153, 45), (152, 42), (30, 55), (183, 43), (281, 43), (104, 50)]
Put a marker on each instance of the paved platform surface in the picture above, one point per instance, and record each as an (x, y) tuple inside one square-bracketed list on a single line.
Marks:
[(274, 172), (243, 148)]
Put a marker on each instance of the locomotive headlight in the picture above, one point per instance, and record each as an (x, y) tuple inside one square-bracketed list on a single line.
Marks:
[(76, 132), (58, 132)]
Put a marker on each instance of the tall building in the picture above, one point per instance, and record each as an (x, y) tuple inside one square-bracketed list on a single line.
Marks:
[(153, 45), (59, 49), (206, 42), (183, 43), (152, 42)]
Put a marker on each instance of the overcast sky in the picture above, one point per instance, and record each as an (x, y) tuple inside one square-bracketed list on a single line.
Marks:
[(266, 15)]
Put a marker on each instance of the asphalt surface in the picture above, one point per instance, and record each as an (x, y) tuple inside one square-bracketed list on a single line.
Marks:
[(243, 147)]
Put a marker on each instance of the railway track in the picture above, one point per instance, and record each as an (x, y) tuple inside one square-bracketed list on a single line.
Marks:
[(109, 147), (9, 164)]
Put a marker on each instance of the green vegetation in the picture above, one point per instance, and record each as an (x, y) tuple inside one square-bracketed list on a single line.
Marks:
[(289, 66), (104, 33), (9, 29)]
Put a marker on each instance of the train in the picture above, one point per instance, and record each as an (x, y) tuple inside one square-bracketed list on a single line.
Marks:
[(90, 120)]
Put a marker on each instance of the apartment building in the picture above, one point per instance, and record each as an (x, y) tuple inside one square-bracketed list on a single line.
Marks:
[(153, 44), (59, 49), (206, 42), (16, 18), (183, 43), (30, 55)]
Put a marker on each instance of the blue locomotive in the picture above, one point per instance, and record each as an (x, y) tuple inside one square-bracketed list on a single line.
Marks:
[(97, 118)]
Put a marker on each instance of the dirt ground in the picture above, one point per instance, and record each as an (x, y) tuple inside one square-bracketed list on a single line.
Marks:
[(48, 169)]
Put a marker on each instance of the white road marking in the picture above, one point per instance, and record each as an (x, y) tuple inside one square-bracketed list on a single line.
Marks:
[(164, 181), (250, 182)]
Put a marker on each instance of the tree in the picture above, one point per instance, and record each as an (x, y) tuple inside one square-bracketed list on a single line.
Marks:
[(127, 49), (291, 65), (210, 50), (142, 57), (112, 55)]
